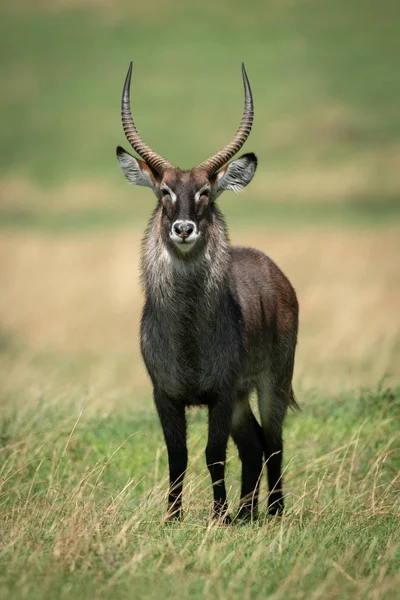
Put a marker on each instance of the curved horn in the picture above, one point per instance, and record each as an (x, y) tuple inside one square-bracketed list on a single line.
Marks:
[(215, 162), (154, 160)]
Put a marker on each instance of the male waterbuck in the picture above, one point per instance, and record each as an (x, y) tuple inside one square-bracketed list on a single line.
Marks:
[(219, 321)]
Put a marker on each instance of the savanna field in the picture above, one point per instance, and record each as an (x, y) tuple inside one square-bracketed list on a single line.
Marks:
[(83, 465)]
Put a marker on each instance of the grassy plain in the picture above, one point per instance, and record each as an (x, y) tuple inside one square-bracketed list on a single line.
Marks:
[(82, 461)]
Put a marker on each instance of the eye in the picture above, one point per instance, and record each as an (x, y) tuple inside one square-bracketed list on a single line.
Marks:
[(204, 193), (165, 192)]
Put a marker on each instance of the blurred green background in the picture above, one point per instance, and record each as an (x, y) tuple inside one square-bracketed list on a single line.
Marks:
[(77, 421), (325, 202), (325, 79)]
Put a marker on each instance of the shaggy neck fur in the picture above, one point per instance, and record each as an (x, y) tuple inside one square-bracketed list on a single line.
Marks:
[(200, 276)]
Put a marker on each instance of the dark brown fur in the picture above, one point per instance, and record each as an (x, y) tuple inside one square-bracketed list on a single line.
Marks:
[(218, 323)]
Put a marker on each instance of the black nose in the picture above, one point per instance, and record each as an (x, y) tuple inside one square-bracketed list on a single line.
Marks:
[(183, 228)]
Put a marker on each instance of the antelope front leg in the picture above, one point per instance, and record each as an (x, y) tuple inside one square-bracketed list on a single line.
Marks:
[(173, 421), (219, 424)]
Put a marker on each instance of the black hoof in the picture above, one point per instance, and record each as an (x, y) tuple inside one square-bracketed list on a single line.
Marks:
[(222, 517), (246, 514)]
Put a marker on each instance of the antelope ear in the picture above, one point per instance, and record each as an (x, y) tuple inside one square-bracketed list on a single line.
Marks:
[(135, 170), (236, 174)]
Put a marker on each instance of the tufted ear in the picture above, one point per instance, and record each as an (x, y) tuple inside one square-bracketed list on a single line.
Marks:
[(236, 174), (135, 170)]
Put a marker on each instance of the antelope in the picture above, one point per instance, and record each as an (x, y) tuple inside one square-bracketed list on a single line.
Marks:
[(218, 322)]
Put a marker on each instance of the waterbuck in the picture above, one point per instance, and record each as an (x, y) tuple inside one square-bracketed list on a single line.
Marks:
[(219, 321)]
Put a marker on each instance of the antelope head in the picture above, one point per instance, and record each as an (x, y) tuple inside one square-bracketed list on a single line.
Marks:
[(187, 198)]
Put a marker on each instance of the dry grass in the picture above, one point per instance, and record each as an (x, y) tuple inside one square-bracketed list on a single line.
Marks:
[(82, 503), (83, 473), (72, 296), (83, 465)]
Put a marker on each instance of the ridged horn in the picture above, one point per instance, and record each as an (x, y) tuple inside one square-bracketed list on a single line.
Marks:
[(154, 160), (215, 162)]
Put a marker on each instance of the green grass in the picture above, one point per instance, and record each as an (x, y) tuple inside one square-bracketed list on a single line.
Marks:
[(324, 74), (326, 85), (83, 498), (83, 472)]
